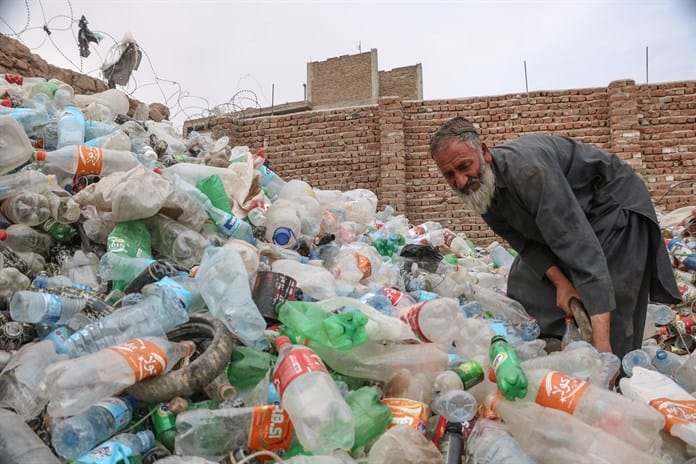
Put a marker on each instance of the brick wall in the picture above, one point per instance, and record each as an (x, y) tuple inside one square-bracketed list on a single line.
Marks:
[(384, 147), (347, 79), (405, 82)]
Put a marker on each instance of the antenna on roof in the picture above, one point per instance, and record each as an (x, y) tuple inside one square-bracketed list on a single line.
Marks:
[(359, 47)]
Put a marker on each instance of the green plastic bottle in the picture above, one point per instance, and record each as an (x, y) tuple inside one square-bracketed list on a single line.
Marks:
[(129, 238), (164, 424), (63, 233), (247, 367), (470, 372), (506, 371), (372, 418), (305, 321)]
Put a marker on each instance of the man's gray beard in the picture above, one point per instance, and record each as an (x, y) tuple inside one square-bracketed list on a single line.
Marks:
[(479, 201)]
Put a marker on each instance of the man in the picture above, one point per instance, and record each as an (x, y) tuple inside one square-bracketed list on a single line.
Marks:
[(581, 220)]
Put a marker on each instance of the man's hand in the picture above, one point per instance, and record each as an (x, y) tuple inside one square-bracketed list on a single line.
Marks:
[(565, 290)]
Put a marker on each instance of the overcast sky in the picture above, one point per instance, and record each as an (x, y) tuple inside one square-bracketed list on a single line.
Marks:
[(220, 51)]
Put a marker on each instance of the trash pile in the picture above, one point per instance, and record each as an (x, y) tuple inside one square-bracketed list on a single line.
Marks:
[(174, 300)]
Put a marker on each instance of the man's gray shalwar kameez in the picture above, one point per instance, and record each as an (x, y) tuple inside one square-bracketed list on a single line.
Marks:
[(561, 202)]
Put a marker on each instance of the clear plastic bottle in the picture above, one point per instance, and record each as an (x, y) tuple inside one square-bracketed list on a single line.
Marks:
[(20, 445), (636, 358), (491, 443), (632, 421), (322, 419), (661, 314), (213, 433), (667, 362), (433, 320), (20, 237), (21, 376), (122, 447), (271, 182), (154, 315), (565, 438), (43, 281), (71, 127), (71, 386), (686, 374), (223, 283), (182, 245), (283, 224), (29, 208), (571, 334), (44, 308), (76, 435), (16, 146)]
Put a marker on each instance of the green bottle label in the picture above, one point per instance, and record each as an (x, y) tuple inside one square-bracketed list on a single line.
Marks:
[(470, 372)]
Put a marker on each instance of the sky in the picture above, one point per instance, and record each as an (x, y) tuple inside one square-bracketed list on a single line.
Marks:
[(202, 54)]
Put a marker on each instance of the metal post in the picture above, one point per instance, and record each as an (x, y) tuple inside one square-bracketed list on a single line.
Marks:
[(526, 84)]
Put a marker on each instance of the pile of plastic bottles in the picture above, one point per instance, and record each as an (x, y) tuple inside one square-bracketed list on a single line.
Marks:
[(174, 300)]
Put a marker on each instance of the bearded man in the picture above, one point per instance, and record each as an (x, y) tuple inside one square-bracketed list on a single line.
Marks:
[(581, 220)]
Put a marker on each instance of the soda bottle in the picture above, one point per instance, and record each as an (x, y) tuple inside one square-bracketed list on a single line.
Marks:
[(78, 434), (506, 371), (213, 433), (119, 449), (323, 420), (571, 334), (20, 237), (71, 386)]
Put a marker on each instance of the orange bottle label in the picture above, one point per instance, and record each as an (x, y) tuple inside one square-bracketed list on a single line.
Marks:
[(364, 265), (293, 365), (271, 429), (89, 160), (560, 391), (145, 358), (408, 412), (412, 318), (675, 411)]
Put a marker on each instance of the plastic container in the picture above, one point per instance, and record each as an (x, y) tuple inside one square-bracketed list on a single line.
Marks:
[(661, 314), (76, 435), (667, 362), (71, 127), (322, 419), (15, 144), (182, 245), (636, 358), (283, 224), (371, 417), (506, 371), (44, 308), (21, 237), (119, 448), (433, 320)]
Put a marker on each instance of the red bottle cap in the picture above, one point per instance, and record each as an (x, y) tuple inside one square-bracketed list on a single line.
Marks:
[(3, 234), (40, 155), (280, 341)]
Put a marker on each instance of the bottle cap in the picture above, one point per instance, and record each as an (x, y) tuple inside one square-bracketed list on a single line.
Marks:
[(280, 341), (569, 320), (3, 234), (40, 155), (497, 338)]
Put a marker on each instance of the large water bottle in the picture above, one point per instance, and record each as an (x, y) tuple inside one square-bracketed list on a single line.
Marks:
[(71, 127), (76, 435), (661, 314), (119, 448), (44, 308), (224, 285), (323, 420), (155, 314)]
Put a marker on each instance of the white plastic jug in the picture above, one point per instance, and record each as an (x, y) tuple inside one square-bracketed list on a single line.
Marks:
[(283, 223), (15, 146)]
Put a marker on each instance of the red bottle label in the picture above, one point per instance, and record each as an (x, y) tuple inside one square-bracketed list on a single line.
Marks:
[(297, 362), (145, 358), (412, 318), (14, 79), (393, 294), (560, 391), (448, 236)]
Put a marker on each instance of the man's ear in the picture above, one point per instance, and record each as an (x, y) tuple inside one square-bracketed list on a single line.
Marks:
[(486, 153)]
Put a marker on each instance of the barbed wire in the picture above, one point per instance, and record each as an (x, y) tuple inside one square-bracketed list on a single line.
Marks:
[(180, 102)]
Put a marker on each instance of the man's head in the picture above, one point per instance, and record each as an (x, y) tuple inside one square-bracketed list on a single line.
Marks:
[(464, 162)]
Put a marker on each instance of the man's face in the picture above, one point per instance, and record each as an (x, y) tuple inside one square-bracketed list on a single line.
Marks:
[(468, 173)]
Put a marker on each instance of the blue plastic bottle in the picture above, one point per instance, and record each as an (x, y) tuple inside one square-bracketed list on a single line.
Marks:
[(71, 127), (78, 434)]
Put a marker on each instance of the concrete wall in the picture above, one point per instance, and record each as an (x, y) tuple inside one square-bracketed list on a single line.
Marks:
[(384, 147)]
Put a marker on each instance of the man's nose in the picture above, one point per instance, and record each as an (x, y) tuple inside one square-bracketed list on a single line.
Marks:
[(461, 179)]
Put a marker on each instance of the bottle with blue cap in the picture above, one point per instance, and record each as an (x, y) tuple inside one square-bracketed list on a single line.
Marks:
[(283, 224)]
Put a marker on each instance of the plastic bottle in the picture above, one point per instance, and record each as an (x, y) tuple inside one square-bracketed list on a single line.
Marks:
[(491, 443), (565, 438), (629, 420), (667, 362), (506, 371), (403, 444), (154, 315), (248, 366), (19, 379), (408, 395), (119, 449), (212, 434), (433, 320), (73, 161), (27, 208), (183, 246), (371, 417), (20, 445), (43, 308), (76, 435), (322, 419), (686, 374), (283, 224), (71, 386), (662, 314), (63, 233), (71, 127), (455, 406), (20, 237), (501, 257), (271, 183), (571, 334), (16, 146), (223, 282), (44, 281), (636, 358), (82, 268)]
